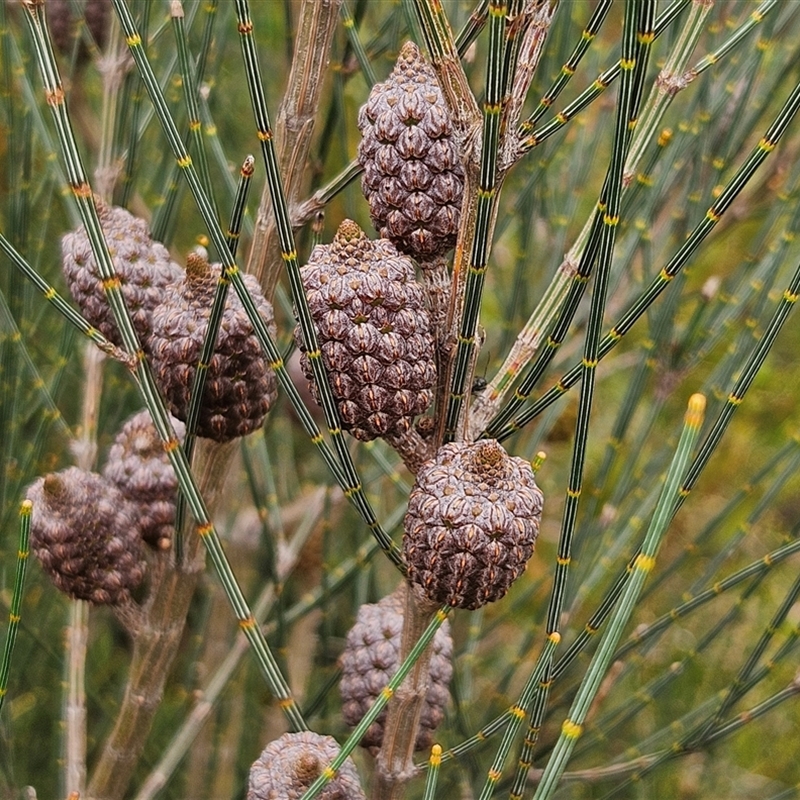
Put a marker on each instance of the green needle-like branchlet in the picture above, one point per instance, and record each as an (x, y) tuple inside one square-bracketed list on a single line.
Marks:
[(23, 552), (598, 86), (570, 65), (190, 97), (378, 705), (712, 217), (54, 298), (643, 565), (351, 484), (141, 371), (209, 342), (486, 208)]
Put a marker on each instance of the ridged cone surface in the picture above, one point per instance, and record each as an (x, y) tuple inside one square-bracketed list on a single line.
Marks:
[(290, 764), (240, 388), (413, 178), (139, 467), (143, 266), (374, 333), (371, 657), (472, 522), (84, 534)]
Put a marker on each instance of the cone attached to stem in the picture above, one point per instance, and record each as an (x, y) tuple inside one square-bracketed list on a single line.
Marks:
[(472, 522), (240, 388), (85, 536), (413, 178), (374, 333), (371, 657)]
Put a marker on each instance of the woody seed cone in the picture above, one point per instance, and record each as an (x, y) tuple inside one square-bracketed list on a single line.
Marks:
[(413, 179), (371, 657), (290, 764), (374, 333), (139, 467), (472, 521), (240, 388), (84, 534), (143, 267)]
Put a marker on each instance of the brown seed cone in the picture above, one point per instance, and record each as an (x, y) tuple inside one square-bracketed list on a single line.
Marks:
[(371, 657), (413, 178), (240, 388), (290, 764), (139, 467), (143, 266), (374, 333), (84, 534), (472, 521)]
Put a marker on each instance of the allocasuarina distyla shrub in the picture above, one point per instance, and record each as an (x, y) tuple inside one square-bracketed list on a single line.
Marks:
[(425, 484)]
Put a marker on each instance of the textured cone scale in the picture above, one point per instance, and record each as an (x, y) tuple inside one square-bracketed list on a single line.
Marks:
[(371, 657), (413, 179), (373, 330), (240, 388), (139, 467), (472, 521), (290, 764), (83, 533), (143, 266)]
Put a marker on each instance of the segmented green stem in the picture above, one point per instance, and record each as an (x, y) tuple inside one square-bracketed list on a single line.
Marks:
[(488, 193), (754, 569), (14, 335), (54, 298), (134, 91), (141, 372), (473, 26), (732, 189), (573, 725), (746, 377), (210, 8), (570, 65), (516, 715), (598, 86), (329, 772), (190, 98), (692, 740), (25, 512), (210, 339), (432, 777), (637, 36), (364, 63), (351, 484)]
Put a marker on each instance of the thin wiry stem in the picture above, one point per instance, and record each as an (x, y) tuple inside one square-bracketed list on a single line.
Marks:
[(210, 339), (23, 551), (712, 217), (293, 131)]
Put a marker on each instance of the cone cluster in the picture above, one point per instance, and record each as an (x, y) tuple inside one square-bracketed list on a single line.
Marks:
[(290, 764), (472, 522), (170, 310), (374, 333), (413, 178)]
